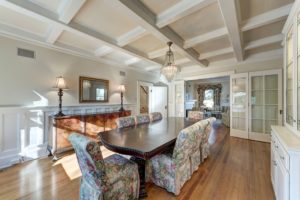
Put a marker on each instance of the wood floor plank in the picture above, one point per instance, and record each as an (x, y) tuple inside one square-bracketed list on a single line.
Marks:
[(236, 169)]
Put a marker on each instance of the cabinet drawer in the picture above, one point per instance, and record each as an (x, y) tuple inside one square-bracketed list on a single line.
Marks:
[(283, 156)]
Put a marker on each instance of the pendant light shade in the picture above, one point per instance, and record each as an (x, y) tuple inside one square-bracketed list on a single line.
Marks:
[(169, 68)]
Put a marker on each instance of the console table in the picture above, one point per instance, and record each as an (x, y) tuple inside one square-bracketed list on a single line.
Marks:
[(87, 124)]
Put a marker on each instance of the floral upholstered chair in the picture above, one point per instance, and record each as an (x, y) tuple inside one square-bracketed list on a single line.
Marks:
[(142, 119), (204, 145), (171, 170), (155, 116), (195, 115), (123, 122), (114, 177)]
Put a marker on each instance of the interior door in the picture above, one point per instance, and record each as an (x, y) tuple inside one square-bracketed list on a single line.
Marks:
[(239, 105), (265, 104), (159, 100)]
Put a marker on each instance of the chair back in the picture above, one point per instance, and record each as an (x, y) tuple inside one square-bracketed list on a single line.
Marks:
[(142, 119), (125, 121), (195, 115), (185, 145), (90, 160), (155, 116), (206, 127)]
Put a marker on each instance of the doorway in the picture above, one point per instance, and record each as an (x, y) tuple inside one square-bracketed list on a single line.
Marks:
[(144, 99), (152, 98)]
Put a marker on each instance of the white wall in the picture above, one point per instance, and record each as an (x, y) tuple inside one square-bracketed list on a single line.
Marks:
[(27, 98), (26, 81)]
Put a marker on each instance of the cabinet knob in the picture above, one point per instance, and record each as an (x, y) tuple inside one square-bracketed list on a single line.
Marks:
[(274, 163), (276, 146), (282, 158)]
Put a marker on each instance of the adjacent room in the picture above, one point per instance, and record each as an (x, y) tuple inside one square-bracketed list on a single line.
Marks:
[(149, 99)]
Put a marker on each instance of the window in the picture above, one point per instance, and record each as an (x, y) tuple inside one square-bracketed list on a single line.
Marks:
[(209, 98), (99, 94)]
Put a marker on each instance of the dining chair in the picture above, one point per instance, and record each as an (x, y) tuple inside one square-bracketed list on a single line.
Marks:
[(155, 116), (123, 122), (204, 145), (171, 170), (195, 114), (114, 177), (142, 119)]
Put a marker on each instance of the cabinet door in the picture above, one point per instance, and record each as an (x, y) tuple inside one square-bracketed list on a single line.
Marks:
[(289, 78), (273, 168), (282, 182), (239, 105)]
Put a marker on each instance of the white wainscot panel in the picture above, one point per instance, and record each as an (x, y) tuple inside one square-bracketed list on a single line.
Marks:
[(9, 138)]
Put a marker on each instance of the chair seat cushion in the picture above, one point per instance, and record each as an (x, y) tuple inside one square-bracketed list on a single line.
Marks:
[(123, 177)]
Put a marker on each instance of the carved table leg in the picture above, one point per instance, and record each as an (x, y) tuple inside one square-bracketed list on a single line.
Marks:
[(141, 164)]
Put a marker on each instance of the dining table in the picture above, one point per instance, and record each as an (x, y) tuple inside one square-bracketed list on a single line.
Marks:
[(144, 141)]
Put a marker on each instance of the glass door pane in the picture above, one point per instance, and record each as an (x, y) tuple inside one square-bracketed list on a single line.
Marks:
[(298, 76), (239, 103), (271, 102), (289, 78), (257, 104)]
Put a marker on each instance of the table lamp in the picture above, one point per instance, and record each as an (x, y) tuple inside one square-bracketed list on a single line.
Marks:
[(60, 84), (122, 90)]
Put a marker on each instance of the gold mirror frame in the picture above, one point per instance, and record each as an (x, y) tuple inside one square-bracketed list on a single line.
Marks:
[(81, 85)]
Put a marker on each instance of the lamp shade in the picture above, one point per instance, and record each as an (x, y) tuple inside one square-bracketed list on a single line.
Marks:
[(122, 88), (60, 83)]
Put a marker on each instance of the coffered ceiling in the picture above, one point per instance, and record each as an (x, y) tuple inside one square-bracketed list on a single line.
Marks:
[(133, 33)]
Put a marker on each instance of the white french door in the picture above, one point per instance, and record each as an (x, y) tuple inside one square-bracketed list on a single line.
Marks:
[(265, 103), (256, 104), (239, 105)]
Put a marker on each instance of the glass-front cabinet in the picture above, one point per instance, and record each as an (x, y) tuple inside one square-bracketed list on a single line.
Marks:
[(291, 31)]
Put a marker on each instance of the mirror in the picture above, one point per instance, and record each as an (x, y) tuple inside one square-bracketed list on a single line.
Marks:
[(93, 90)]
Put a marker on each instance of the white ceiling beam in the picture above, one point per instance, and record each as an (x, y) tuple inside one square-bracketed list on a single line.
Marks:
[(131, 36), (32, 10), (182, 61), (264, 41), (229, 9), (132, 61), (158, 53), (267, 18), (147, 19), (216, 53), (180, 10), (53, 34), (230, 64), (103, 51), (18, 34), (177, 62), (213, 35), (68, 10)]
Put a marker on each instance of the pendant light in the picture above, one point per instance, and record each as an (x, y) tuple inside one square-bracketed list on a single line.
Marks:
[(169, 68)]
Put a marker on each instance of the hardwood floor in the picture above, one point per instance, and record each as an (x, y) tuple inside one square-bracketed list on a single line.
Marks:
[(236, 169)]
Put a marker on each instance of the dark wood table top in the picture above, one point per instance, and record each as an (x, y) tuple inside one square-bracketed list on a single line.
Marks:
[(145, 140)]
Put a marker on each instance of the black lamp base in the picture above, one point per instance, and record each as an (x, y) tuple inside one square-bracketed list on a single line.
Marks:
[(121, 109), (59, 114)]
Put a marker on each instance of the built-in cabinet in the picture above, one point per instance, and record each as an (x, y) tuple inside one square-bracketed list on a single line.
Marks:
[(285, 163), (285, 145), (256, 104), (292, 70)]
